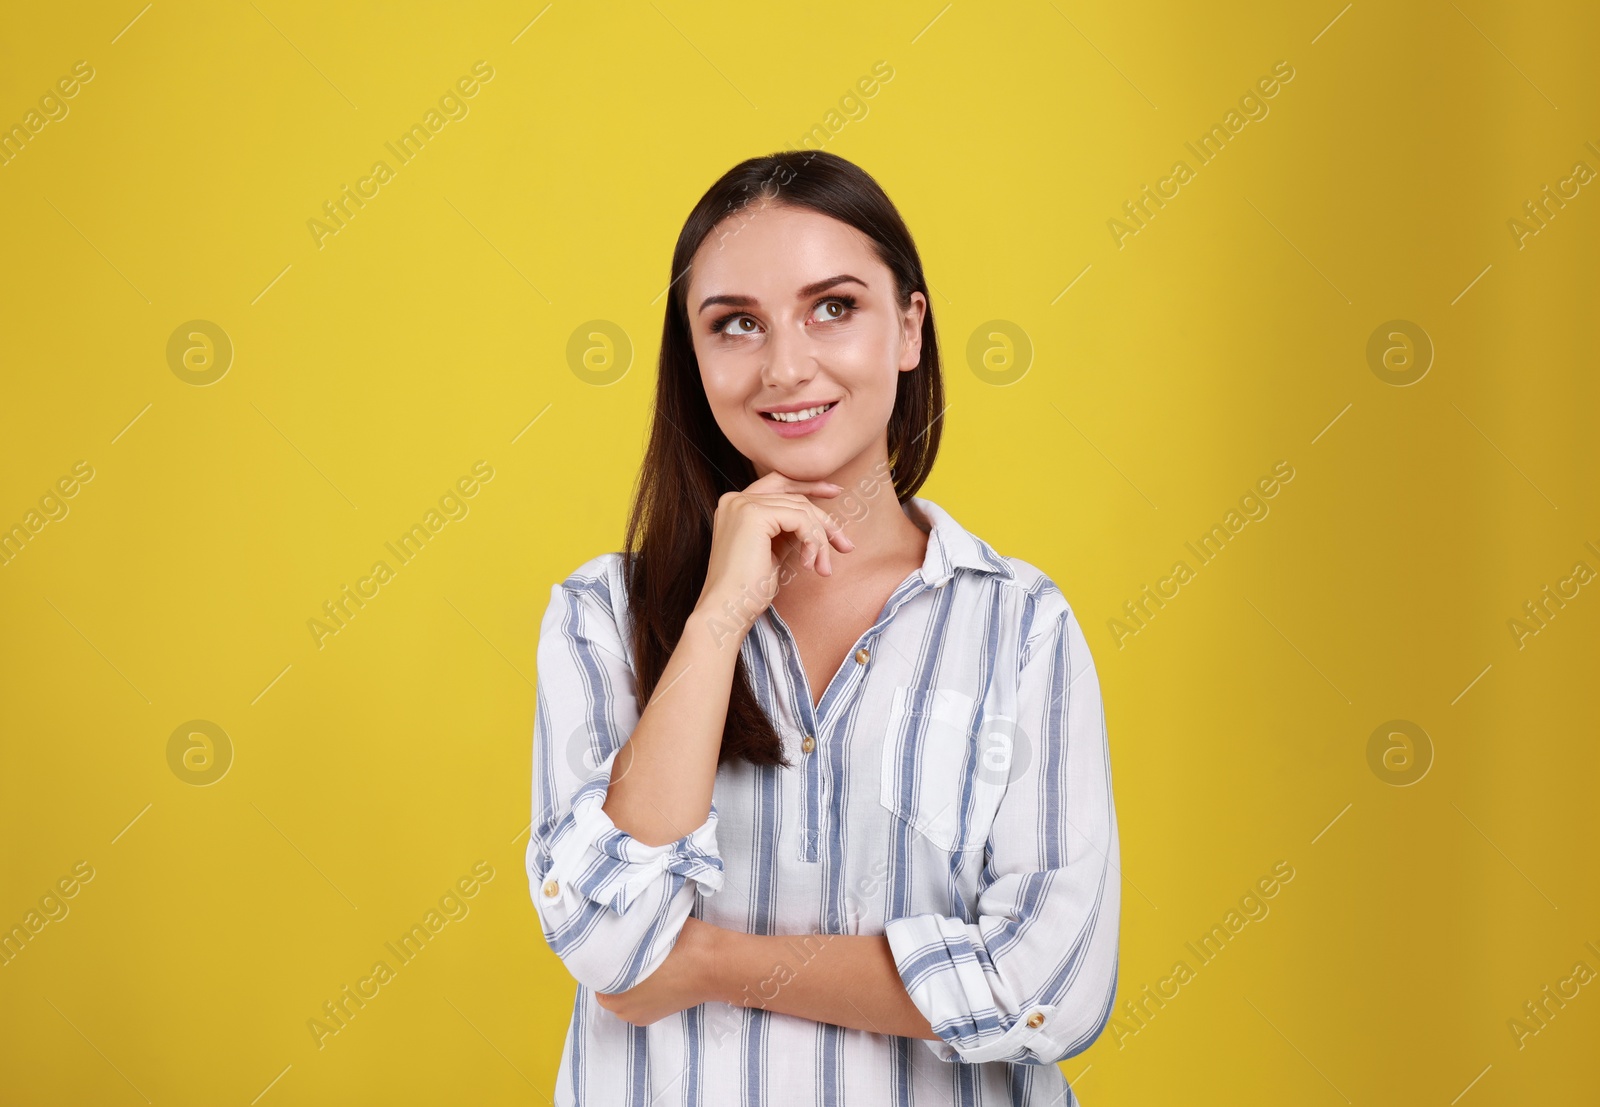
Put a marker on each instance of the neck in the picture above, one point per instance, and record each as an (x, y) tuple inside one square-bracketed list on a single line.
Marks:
[(872, 518)]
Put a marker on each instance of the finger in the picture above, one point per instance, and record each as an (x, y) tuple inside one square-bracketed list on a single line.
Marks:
[(824, 548), (794, 517), (788, 544), (821, 563), (781, 482), (776, 481), (799, 500), (810, 531), (833, 530), (806, 533), (831, 524)]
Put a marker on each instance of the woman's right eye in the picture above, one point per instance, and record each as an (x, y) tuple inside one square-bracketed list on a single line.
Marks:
[(734, 324)]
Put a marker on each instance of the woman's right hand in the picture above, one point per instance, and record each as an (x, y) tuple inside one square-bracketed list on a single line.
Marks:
[(757, 532)]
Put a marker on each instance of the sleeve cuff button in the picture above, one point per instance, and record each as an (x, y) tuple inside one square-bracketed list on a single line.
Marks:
[(551, 888), (1036, 1019)]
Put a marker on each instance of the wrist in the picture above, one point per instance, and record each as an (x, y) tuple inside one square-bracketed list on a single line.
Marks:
[(707, 948), (718, 621)]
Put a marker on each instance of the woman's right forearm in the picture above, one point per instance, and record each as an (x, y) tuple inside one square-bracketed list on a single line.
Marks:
[(662, 779)]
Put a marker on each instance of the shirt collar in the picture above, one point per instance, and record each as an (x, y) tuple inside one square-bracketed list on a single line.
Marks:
[(950, 545)]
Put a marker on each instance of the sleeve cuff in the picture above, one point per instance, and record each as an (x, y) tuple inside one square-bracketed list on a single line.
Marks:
[(596, 861), (952, 982)]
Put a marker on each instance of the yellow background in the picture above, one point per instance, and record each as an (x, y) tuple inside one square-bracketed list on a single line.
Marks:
[(1230, 333)]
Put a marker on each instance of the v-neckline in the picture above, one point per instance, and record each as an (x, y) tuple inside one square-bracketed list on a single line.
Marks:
[(793, 644)]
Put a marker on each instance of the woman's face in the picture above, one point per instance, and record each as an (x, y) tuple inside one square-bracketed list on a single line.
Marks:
[(791, 309)]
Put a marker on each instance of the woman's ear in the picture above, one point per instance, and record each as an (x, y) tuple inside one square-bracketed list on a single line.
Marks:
[(911, 332)]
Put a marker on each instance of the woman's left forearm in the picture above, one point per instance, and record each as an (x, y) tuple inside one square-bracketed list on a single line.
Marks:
[(847, 980)]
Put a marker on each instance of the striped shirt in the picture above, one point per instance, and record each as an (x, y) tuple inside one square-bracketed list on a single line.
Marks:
[(952, 791)]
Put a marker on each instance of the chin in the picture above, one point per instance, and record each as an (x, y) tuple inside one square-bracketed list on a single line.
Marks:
[(791, 465), (802, 472)]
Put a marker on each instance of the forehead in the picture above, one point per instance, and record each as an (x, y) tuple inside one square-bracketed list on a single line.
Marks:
[(769, 250)]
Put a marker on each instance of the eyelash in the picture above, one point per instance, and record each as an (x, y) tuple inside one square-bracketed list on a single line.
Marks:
[(849, 303)]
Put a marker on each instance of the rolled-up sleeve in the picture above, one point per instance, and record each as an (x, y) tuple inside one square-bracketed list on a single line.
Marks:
[(610, 906), (1033, 978)]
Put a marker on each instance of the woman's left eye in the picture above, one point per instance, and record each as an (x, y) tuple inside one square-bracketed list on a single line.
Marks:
[(834, 307)]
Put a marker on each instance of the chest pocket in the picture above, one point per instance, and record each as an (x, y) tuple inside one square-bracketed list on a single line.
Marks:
[(932, 773)]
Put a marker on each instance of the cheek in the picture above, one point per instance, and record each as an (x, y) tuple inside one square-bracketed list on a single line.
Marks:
[(725, 382), (713, 371), (727, 387), (868, 370)]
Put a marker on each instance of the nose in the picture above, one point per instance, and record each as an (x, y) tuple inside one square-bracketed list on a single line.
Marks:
[(788, 362)]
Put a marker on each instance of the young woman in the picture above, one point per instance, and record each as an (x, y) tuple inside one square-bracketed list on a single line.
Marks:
[(822, 801)]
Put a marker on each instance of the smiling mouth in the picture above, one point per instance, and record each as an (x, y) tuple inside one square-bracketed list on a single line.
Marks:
[(798, 416)]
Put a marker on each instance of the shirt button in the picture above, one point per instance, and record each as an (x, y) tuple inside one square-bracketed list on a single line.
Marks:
[(1036, 1019), (862, 654), (551, 888), (809, 744)]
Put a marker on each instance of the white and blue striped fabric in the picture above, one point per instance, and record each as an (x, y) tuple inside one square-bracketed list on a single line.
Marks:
[(955, 796)]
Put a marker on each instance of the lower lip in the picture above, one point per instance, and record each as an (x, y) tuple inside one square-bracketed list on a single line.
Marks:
[(805, 426)]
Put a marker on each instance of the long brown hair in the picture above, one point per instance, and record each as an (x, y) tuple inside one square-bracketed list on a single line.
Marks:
[(689, 463)]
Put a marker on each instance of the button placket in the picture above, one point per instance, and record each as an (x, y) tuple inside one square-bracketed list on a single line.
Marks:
[(821, 765), (806, 718), (810, 802), (811, 799), (813, 719)]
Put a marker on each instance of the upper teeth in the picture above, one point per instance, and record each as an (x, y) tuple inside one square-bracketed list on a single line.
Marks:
[(797, 416)]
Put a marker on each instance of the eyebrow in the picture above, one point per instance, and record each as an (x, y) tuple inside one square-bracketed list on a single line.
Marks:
[(809, 290)]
